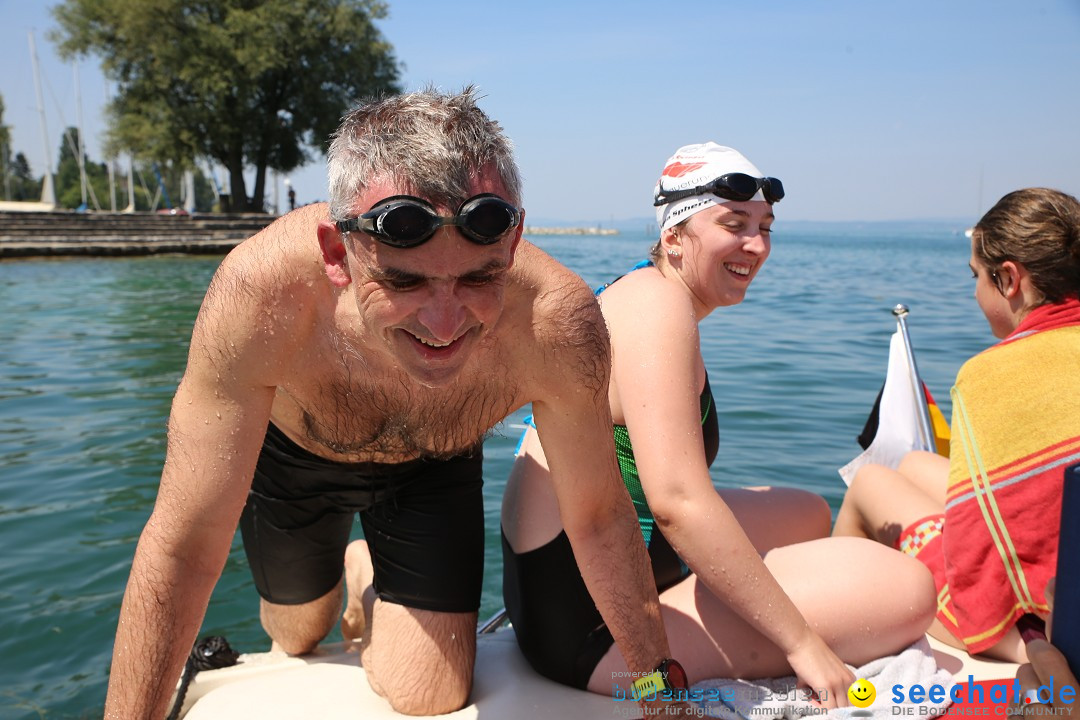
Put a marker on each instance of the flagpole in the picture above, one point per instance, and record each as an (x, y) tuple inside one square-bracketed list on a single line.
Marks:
[(926, 434)]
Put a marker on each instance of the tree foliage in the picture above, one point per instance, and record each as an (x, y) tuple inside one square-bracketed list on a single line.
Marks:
[(248, 83), (5, 131), (156, 186), (16, 180)]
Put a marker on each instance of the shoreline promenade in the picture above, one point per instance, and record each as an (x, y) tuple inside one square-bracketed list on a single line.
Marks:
[(69, 233), (61, 233)]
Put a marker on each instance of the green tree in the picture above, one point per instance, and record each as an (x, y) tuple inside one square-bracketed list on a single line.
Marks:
[(172, 175), (248, 83), (5, 136), (148, 195), (5, 155), (24, 186), (16, 180), (69, 182)]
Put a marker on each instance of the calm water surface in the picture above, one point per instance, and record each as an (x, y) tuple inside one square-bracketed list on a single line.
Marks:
[(91, 352)]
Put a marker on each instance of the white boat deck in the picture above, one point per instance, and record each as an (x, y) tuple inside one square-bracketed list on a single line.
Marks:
[(330, 685)]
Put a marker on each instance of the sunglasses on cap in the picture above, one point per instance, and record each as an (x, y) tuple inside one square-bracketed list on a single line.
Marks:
[(404, 221), (731, 186)]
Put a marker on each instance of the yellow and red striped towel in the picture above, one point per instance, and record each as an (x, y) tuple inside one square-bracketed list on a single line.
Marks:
[(1016, 425)]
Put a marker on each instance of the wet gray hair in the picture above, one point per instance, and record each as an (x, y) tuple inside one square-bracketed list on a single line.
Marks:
[(429, 144)]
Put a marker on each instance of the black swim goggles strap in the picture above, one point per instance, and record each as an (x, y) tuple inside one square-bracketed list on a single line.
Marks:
[(730, 186), (404, 221)]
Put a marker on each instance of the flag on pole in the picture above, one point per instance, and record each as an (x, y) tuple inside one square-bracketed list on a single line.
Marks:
[(893, 428)]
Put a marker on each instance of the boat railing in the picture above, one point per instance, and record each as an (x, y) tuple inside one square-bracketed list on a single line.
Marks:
[(493, 623)]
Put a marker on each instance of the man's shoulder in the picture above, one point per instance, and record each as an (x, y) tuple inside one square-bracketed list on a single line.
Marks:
[(294, 231), (268, 284), (555, 322), (281, 257), (551, 287)]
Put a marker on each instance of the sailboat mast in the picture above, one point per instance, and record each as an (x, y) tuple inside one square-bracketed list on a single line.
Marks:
[(48, 194), (112, 163), (130, 185), (79, 122)]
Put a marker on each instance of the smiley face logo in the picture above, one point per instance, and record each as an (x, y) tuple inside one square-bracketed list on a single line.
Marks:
[(861, 693)]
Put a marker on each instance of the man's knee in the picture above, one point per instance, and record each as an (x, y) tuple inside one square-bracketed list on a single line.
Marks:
[(437, 698), (421, 661), (434, 687), (298, 629)]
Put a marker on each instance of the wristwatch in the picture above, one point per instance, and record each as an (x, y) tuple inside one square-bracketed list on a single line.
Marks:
[(668, 675)]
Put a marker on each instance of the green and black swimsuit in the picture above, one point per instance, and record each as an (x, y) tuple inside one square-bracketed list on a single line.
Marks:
[(668, 568)]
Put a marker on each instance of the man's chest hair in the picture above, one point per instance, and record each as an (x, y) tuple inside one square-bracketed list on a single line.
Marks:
[(397, 417)]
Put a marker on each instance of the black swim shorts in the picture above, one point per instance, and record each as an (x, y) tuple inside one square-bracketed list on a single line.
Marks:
[(558, 628), (423, 521)]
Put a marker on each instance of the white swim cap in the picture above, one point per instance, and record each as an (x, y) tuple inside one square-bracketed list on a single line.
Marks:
[(692, 166)]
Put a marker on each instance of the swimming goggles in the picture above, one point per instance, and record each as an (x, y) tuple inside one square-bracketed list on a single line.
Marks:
[(730, 186), (404, 221)]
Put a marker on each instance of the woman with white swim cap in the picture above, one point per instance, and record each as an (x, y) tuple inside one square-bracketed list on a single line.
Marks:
[(750, 587)]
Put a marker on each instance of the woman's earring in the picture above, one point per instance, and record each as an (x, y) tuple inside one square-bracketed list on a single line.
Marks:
[(673, 253)]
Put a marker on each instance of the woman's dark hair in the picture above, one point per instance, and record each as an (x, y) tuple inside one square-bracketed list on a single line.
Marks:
[(1040, 229)]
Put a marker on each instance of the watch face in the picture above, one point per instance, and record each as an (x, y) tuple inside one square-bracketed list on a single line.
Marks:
[(674, 675)]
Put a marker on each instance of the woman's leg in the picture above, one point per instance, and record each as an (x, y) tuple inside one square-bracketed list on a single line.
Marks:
[(836, 583), (927, 471), (880, 503), (776, 516)]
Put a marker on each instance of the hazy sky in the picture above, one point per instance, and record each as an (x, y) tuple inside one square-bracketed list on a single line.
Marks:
[(866, 110)]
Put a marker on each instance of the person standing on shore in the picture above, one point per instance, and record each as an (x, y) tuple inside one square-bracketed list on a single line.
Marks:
[(349, 359)]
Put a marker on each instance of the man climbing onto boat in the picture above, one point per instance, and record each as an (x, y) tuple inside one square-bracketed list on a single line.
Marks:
[(350, 359)]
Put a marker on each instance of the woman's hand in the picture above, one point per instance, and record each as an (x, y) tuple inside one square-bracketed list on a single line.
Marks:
[(819, 669)]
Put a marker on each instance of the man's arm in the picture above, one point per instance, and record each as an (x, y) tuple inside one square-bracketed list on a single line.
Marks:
[(574, 423), (218, 418)]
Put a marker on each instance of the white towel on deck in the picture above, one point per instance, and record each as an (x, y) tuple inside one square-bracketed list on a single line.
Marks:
[(778, 698)]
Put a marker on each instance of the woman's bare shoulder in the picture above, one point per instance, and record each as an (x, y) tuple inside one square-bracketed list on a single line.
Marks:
[(647, 300)]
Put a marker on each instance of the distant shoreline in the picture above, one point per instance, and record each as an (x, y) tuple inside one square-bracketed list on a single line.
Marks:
[(536, 230)]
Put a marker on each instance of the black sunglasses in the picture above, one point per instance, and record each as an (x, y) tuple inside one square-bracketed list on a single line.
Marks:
[(404, 221), (731, 186)]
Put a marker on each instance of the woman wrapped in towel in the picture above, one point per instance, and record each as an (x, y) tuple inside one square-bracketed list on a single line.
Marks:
[(985, 521), (748, 586)]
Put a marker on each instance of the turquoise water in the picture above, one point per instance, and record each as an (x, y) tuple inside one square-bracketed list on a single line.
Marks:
[(91, 351)]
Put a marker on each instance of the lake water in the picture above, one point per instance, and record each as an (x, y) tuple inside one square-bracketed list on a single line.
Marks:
[(91, 351)]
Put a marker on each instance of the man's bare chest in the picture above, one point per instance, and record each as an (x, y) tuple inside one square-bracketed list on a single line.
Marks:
[(389, 419)]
